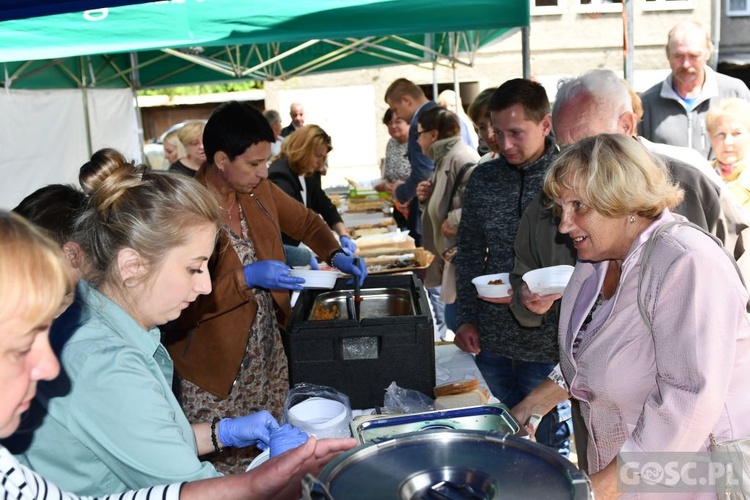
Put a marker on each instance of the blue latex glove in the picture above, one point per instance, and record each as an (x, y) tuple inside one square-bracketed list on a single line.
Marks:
[(285, 438), (314, 262), (347, 245), (271, 275), (346, 264), (255, 428)]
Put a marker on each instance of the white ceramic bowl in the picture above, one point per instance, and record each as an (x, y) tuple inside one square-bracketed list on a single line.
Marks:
[(316, 279), (492, 291), (548, 280), (260, 459)]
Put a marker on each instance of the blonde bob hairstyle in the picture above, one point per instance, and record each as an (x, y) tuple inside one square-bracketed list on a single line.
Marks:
[(735, 107), (191, 131), (300, 146), (151, 212), (34, 278), (615, 175)]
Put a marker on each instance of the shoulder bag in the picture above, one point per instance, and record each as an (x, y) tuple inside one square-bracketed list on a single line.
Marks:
[(735, 453), (449, 254)]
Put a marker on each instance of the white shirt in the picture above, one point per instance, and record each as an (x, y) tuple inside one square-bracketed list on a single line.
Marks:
[(22, 483)]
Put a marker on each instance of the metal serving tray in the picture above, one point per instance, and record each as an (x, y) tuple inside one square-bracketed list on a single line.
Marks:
[(495, 418), (376, 303)]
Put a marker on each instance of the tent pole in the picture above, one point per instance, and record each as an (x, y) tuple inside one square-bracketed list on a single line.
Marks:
[(85, 96), (429, 38), (629, 50), (135, 78), (434, 83), (715, 32), (456, 90), (526, 52)]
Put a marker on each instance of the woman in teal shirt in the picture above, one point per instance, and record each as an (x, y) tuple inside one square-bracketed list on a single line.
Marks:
[(34, 283), (112, 421)]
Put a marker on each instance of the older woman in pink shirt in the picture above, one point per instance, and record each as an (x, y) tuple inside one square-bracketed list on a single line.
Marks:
[(654, 337)]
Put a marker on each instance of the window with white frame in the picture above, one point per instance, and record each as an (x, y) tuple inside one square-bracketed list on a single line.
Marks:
[(668, 4), (738, 8), (599, 6), (545, 7)]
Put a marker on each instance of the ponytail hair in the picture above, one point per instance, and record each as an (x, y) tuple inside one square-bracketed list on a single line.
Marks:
[(131, 206)]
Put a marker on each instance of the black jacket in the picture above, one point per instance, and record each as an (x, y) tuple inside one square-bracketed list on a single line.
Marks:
[(280, 173), (287, 130)]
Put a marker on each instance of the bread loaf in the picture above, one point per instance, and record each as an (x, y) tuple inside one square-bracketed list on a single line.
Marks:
[(456, 387), (475, 397)]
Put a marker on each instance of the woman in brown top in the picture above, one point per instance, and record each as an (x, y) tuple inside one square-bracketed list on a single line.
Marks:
[(227, 345)]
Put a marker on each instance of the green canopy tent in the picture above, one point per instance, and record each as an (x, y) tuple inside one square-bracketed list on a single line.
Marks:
[(169, 43), (69, 78), (22, 9)]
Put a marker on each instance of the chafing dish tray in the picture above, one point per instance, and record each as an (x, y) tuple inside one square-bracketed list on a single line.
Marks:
[(376, 303), (489, 418)]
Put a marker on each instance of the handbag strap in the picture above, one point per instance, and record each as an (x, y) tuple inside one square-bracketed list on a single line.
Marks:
[(649, 246), (459, 177)]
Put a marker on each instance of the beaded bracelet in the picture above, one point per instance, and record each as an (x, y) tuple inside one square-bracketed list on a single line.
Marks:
[(334, 254), (213, 434)]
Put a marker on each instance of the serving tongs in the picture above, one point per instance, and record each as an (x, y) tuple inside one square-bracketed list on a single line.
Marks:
[(357, 292)]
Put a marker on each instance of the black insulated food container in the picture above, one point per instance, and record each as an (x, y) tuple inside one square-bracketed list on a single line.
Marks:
[(391, 342)]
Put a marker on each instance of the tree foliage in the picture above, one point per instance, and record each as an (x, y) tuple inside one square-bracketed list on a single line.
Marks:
[(205, 89)]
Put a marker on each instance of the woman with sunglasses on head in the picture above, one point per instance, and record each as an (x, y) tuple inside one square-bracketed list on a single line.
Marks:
[(34, 281), (297, 171)]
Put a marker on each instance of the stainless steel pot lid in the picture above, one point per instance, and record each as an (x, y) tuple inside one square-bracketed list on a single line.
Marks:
[(450, 464)]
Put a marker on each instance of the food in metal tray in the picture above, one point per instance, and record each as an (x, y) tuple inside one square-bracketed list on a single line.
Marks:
[(323, 313)]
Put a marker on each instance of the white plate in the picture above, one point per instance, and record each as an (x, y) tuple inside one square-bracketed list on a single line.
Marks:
[(492, 291), (316, 279), (260, 459), (548, 280)]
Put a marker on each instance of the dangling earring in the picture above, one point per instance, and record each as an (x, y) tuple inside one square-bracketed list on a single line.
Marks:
[(632, 219)]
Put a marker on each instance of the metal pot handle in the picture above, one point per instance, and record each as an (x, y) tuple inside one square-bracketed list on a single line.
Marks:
[(314, 489)]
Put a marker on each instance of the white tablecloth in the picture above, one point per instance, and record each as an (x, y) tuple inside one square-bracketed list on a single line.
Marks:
[(453, 364)]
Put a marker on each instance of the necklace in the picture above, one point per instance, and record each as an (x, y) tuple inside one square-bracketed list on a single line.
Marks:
[(229, 210)]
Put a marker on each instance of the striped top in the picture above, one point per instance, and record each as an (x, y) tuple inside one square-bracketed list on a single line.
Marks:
[(19, 482)]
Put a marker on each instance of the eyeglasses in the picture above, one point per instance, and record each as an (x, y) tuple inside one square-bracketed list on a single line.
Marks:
[(423, 132)]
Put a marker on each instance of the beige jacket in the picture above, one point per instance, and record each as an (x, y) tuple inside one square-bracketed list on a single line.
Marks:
[(449, 156)]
